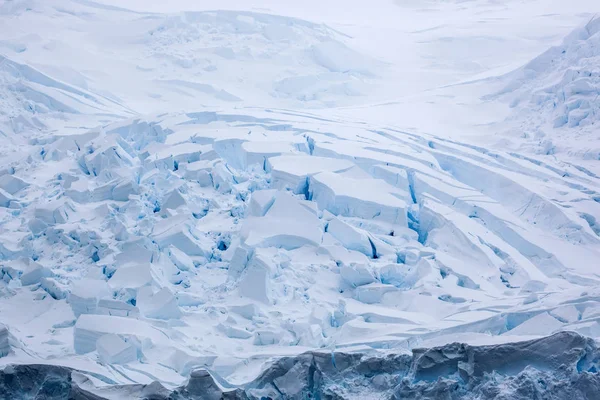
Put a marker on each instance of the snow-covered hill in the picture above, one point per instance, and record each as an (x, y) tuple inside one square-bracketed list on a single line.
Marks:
[(221, 188)]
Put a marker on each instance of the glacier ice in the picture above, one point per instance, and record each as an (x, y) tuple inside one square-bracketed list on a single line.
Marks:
[(363, 246), (114, 350), (235, 204)]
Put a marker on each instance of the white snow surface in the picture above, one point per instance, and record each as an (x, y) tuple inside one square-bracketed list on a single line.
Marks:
[(214, 184)]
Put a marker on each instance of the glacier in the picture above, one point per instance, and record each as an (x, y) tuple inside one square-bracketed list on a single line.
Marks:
[(229, 201)]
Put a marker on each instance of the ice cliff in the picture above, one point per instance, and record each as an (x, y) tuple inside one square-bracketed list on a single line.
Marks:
[(561, 366)]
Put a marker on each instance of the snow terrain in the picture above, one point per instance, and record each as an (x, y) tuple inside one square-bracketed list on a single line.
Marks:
[(218, 188)]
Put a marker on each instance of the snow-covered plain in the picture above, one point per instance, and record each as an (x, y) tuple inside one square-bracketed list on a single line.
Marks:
[(213, 185)]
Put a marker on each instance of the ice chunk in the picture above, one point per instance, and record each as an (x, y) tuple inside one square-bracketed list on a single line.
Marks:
[(190, 299), (287, 224), (28, 271), (55, 212), (167, 157), (541, 324), (373, 292), (357, 274), (53, 288), (363, 198), (247, 311), (131, 277), (33, 273), (174, 231), (350, 237), (222, 178), (260, 152), (173, 200), (37, 226), (260, 201), (117, 307), (70, 143), (340, 254), (566, 314), (230, 150), (286, 206), (159, 305), (85, 295), (5, 198), (135, 251), (292, 171), (533, 286), (84, 192), (105, 153), (308, 334), (200, 171), (90, 328), (114, 350), (394, 274), (409, 256), (255, 280), (266, 338), (396, 177), (238, 261), (12, 184), (180, 259), (123, 190), (272, 232), (234, 332)]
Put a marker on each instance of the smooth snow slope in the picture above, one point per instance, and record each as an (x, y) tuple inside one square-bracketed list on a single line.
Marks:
[(218, 188)]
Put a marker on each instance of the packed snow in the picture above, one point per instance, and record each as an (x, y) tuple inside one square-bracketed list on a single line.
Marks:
[(218, 188)]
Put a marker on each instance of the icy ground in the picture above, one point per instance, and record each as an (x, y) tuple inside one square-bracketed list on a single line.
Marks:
[(221, 187)]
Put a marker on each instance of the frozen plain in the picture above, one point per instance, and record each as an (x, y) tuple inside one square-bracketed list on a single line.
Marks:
[(218, 187)]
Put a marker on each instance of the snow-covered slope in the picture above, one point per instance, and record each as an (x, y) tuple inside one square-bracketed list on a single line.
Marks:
[(555, 96), (157, 62), (219, 189)]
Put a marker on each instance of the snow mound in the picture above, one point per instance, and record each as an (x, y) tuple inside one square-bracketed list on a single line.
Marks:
[(164, 62), (220, 42), (558, 91)]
